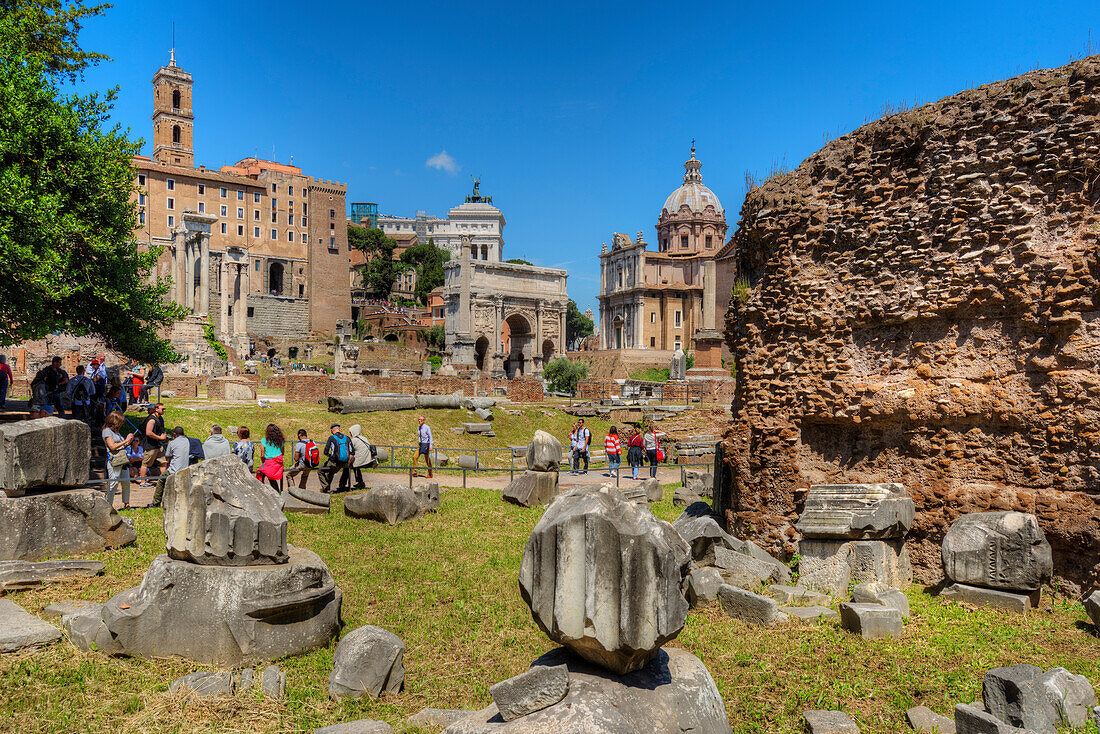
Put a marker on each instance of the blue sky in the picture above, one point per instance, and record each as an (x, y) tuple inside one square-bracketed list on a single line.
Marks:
[(576, 116)]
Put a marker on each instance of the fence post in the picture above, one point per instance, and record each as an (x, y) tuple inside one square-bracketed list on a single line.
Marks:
[(410, 478), (464, 479), (512, 465)]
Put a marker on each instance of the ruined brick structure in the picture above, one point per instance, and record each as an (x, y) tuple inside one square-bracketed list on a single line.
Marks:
[(305, 387), (923, 309)]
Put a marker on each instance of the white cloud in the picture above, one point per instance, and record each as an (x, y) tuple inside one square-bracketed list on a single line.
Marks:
[(441, 161)]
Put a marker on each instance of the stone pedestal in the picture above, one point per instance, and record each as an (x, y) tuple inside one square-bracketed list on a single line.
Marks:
[(60, 523), (708, 357)]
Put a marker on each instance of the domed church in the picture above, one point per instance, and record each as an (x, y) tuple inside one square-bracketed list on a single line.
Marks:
[(667, 299)]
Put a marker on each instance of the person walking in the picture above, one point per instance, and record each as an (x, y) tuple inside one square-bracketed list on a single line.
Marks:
[(338, 455), (271, 462), (117, 474), (6, 379), (56, 381), (652, 447), (573, 448), (635, 454), (153, 438), (613, 451), (581, 445), (363, 455), (244, 448), (424, 443), (306, 458), (137, 380), (217, 444), (80, 390), (178, 453)]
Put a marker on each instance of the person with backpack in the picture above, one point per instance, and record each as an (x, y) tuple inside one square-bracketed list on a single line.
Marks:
[(244, 448), (56, 380), (635, 454), (581, 440), (653, 448), (307, 457), (80, 390), (153, 438), (339, 454), (364, 456), (271, 463), (217, 444), (612, 450)]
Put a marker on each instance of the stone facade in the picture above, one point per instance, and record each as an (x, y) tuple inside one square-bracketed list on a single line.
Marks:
[(476, 219), (502, 318), (659, 300), (304, 387), (254, 246), (923, 309)]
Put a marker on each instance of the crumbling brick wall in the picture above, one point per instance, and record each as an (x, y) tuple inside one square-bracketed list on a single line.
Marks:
[(923, 308), (185, 386)]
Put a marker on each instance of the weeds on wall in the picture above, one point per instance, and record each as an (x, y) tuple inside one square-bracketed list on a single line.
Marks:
[(212, 340), (742, 290)]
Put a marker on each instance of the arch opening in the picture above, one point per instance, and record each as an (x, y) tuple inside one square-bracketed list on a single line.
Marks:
[(517, 339), (481, 349), (176, 134), (547, 352), (176, 99), (275, 278)]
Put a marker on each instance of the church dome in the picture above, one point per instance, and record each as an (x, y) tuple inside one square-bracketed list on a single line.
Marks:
[(693, 192)]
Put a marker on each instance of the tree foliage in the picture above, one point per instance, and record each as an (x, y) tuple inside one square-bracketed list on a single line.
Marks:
[(562, 375), (381, 269), (436, 337), (428, 261), (577, 325), (67, 249), (517, 261)]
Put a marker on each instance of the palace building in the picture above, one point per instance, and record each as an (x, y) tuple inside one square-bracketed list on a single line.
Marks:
[(258, 247), (665, 299)]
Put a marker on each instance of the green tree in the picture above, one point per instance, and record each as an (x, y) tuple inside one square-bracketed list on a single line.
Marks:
[(562, 375), (517, 261), (381, 269), (67, 249), (436, 337), (577, 325), (428, 261)]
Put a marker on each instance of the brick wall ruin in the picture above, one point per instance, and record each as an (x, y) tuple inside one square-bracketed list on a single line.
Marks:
[(304, 387), (923, 308)]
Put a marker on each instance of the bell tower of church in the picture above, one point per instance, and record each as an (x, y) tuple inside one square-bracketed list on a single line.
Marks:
[(173, 120)]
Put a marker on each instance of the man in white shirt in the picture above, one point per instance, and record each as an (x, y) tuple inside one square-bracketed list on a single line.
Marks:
[(178, 455), (423, 446)]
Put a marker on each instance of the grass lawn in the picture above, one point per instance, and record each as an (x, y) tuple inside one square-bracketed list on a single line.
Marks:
[(446, 584)]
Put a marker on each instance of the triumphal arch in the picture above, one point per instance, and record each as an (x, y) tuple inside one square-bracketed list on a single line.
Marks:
[(502, 318)]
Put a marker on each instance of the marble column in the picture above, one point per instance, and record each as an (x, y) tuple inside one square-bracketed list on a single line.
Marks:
[(536, 357), (223, 287), (204, 275), (240, 303)]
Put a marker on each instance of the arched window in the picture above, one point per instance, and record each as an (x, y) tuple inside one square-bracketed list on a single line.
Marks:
[(176, 99), (176, 134)]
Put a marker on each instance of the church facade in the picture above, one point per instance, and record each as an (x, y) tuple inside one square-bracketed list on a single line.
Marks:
[(661, 299)]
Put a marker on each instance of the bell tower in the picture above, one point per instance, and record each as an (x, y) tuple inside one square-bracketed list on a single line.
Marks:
[(173, 120)]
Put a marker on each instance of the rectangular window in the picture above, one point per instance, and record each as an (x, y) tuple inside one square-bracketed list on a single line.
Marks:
[(290, 219), (257, 268), (171, 203), (289, 236), (224, 192), (304, 212), (301, 291), (240, 230), (256, 197), (274, 204), (225, 210), (171, 221), (251, 311), (273, 188), (676, 320), (331, 227), (240, 213), (677, 345), (653, 317), (290, 190), (274, 217), (256, 232), (240, 195), (141, 199), (274, 235), (683, 242), (171, 185), (223, 228), (202, 189), (141, 179), (141, 217), (202, 207), (255, 215), (652, 341), (332, 214), (332, 243), (710, 242), (303, 220)]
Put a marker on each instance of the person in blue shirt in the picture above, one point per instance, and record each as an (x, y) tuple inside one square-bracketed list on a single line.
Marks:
[(423, 446), (339, 453)]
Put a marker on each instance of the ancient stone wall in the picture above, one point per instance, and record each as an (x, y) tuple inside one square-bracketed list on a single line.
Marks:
[(923, 309), (185, 386), (278, 316), (315, 388)]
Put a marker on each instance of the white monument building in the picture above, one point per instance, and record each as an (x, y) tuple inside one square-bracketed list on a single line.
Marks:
[(476, 219), (503, 318)]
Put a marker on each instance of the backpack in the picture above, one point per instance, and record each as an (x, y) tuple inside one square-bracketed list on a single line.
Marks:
[(341, 445), (80, 392), (311, 455)]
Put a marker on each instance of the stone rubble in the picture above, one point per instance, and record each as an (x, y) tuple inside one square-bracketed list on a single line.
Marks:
[(368, 662), (389, 503), (871, 621), (829, 722), (926, 721), (22, 575), (532, 690), (18, 629), (748, 607), (49, 452)]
